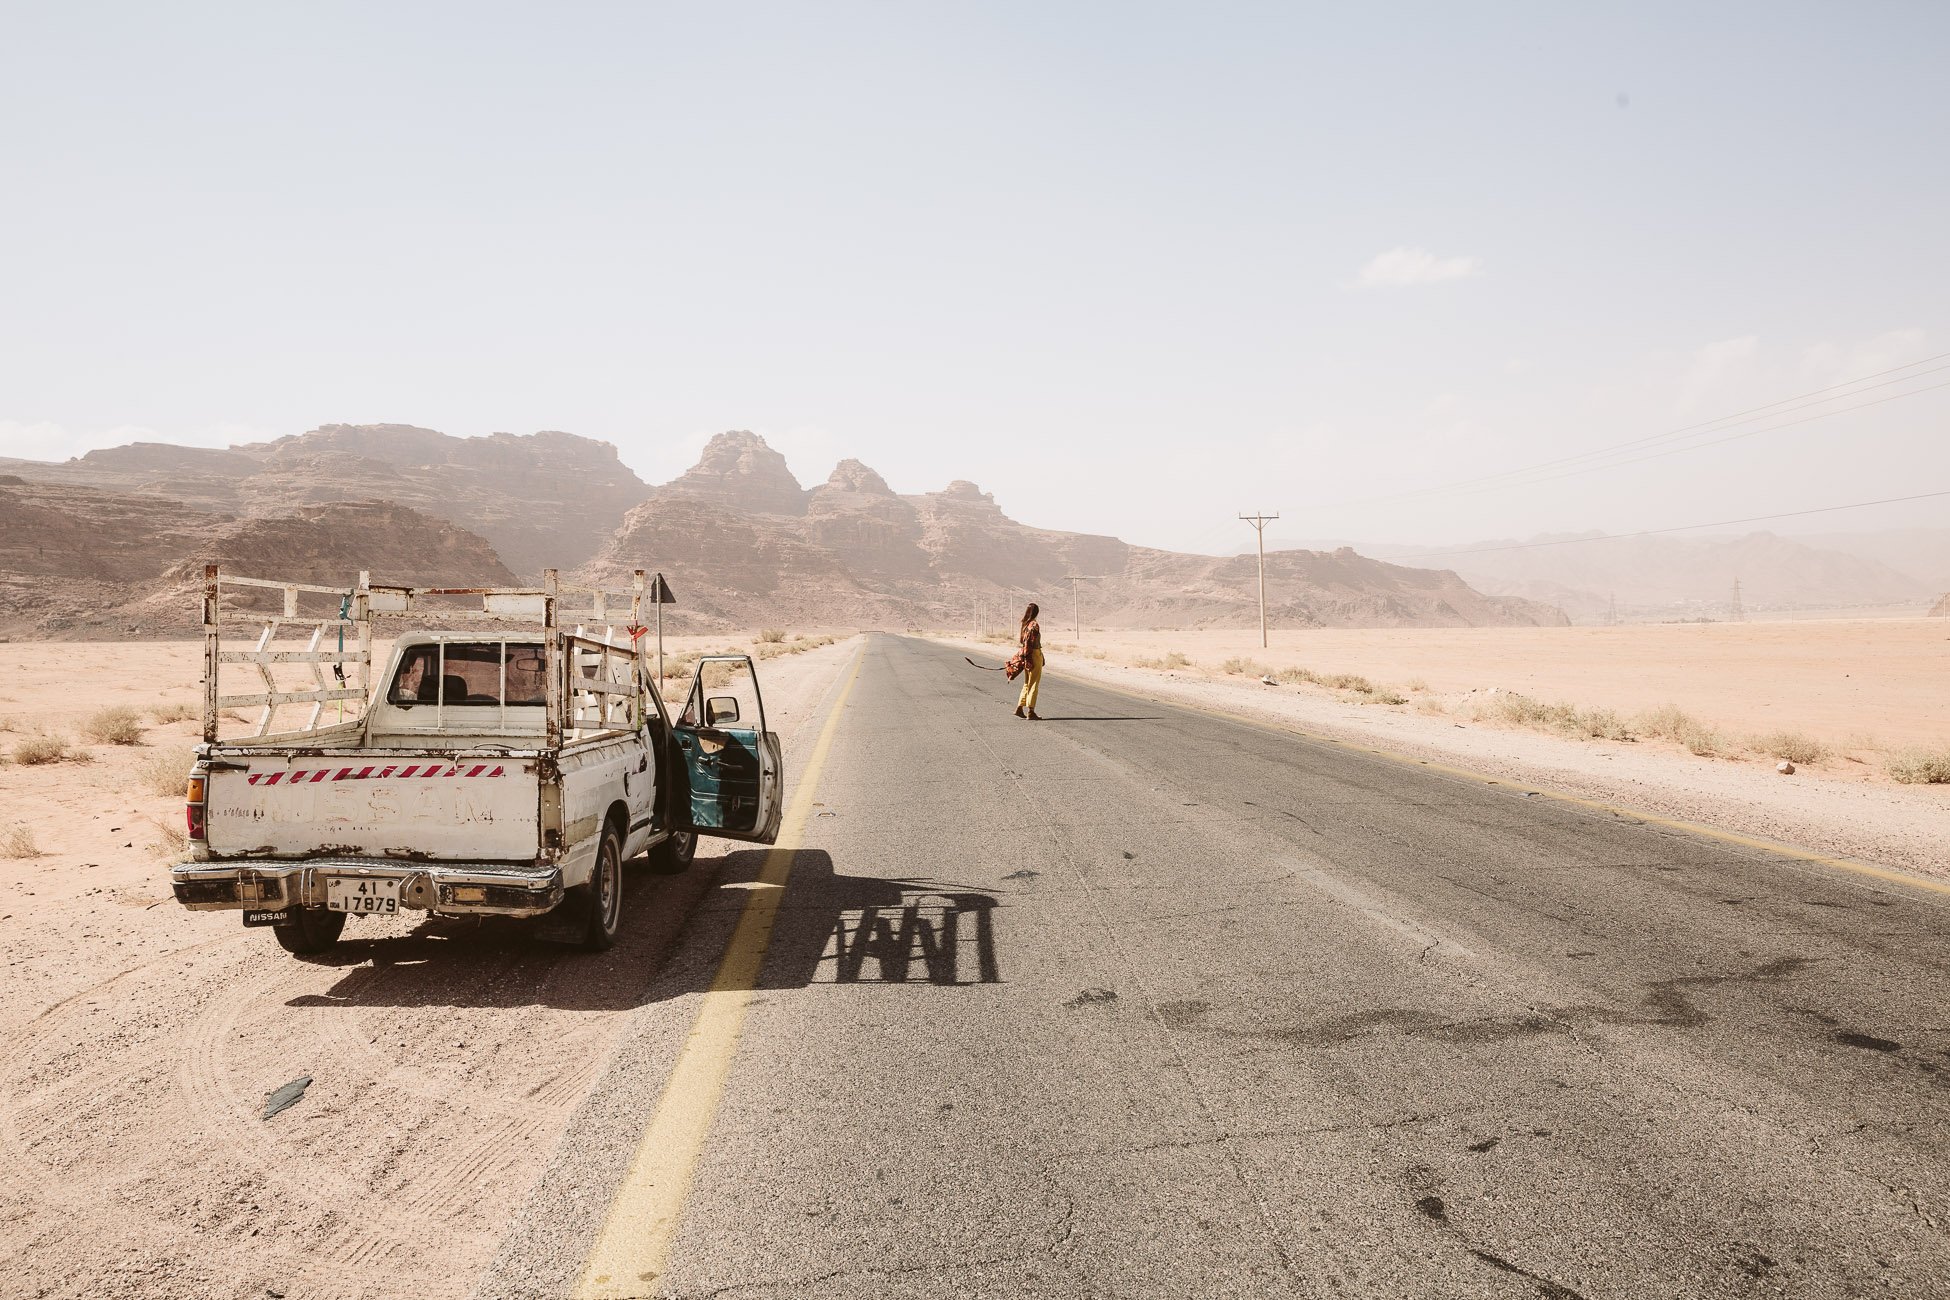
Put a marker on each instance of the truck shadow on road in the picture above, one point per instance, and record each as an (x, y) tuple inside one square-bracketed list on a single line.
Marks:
[(830, 929)]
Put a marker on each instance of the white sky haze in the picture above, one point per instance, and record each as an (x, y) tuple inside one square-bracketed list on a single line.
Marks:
[(1133, 267)]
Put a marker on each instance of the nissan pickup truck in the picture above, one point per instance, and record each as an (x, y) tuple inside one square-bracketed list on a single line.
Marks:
[(491, 770)]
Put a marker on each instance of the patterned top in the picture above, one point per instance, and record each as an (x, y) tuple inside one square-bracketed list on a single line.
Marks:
[(1032, 637)]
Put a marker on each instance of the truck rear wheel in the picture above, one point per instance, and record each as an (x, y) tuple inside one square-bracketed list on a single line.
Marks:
[(605, 893), (674, 854), (311, 929)]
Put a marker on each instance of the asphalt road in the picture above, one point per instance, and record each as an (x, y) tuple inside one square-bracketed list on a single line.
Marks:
[(1140, 1001)]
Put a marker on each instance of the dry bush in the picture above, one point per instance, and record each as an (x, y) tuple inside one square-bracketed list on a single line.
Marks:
[(1562, 719), (164, 714), (1251, 667), (1672, 723), (1172, 659), (8, 724), (35, 750), (1794, 746), (18, 842), (771, 636), (171, 840), (165, 773), (1294, 676), (1418, 685), (1387, 695), (1920, 766), (115, 725), (1430, 705)]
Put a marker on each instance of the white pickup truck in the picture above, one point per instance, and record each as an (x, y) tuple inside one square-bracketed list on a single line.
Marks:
[(509, 770)]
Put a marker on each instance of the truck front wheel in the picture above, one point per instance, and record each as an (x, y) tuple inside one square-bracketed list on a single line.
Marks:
[(674, 854), (605, 893), (311, 929)]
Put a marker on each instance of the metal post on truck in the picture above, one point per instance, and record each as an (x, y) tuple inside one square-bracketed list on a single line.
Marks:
[(211, 641), (552, 663)]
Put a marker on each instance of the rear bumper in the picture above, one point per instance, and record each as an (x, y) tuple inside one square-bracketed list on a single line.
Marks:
[(449, 888)]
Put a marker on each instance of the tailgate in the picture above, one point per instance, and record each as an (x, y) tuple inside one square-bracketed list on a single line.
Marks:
[(477, 811)]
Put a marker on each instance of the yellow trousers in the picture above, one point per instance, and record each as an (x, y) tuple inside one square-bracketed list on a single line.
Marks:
[(1032, 681)]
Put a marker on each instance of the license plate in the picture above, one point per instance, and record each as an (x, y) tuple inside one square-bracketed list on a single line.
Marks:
[(366, 897)]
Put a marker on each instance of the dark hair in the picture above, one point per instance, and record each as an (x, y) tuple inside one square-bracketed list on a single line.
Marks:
[(1028, 617)]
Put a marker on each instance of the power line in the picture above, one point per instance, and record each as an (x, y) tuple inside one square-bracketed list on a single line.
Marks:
[(1653, 532), (1704, 426)]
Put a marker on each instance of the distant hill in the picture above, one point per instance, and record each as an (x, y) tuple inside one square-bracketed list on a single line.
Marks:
[(740, 539), (540, 499), (1675, 575), (83, 560)]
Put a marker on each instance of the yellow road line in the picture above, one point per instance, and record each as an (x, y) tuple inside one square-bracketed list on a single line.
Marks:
[(1888, 874), (635, 1242)]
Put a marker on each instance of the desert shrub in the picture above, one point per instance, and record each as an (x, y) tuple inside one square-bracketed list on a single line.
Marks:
[(1387, 695), (1602, 724), (1673, 723), (1920, 766), (116, 725), (35, 750), (1171, 659), (164, 714), (165, 773), (1418, 685), (1294, 676), (1348, 682), (1791, 745), (18, 842), (772, 635), (171, 840), (1430, 705), (1251, 667)]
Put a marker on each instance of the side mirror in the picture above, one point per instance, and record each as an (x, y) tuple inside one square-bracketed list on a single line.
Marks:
[(720, 709)]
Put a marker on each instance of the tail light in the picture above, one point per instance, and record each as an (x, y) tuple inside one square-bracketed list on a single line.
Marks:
[(193, 808)]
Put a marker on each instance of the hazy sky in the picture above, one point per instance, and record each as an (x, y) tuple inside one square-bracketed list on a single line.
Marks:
[(1132, 267)]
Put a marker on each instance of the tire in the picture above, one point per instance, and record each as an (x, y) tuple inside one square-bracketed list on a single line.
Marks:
[(313, 930), (674, 854), (605, 893)]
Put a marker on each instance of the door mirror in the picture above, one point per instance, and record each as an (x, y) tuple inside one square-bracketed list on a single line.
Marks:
[(720, 709)]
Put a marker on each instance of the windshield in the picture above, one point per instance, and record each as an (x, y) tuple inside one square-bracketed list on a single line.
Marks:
[(469, 673)]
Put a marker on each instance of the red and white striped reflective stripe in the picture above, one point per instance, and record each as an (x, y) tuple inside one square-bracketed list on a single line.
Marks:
[(309, 776)]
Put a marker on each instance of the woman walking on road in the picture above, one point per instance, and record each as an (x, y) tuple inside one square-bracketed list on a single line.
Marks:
[(1030, 638)]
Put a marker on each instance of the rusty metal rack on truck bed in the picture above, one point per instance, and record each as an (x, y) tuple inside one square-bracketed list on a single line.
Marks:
[(593, 684)]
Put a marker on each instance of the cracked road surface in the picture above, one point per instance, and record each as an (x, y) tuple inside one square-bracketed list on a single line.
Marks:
[(1140, 1001)]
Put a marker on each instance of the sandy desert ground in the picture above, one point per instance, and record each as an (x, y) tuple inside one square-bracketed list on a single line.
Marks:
[(1859, 683), (140, 1039)]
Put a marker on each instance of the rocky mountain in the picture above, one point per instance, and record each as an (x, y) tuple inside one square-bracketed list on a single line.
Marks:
[(737, 535), (742, 541), (540, 499), (83, 560)]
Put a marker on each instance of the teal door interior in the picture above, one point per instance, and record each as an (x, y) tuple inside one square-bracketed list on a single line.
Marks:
[(733, 776)]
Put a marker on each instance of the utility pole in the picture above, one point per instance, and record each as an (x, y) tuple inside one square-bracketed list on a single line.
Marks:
[(1259, 523), (1076, 602), (1611, 614), (1737, 615)]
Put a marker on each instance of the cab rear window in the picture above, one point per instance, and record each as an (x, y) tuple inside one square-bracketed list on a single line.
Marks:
[(469, 673)]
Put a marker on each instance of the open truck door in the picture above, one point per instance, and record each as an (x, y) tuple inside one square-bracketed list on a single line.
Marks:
[(734, 774)]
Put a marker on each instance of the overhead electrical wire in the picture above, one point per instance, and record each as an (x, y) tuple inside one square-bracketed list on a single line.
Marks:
[(1801, 401), (1654, 532)]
